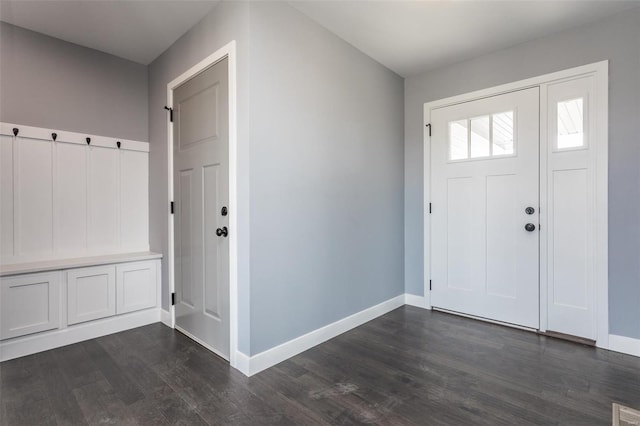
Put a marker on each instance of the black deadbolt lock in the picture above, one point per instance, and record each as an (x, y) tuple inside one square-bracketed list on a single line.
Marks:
[(529, 210), (223, 212)]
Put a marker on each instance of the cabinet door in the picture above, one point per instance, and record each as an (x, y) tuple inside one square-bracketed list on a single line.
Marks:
[(137, 286), (91, 293), (30, 304)]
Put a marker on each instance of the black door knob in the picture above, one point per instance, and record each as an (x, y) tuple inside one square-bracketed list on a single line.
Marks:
[(530, 227), (529, 210), (222, 232)]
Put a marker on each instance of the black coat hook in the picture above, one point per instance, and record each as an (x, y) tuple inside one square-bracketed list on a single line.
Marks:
[(15, 131), (118, 144), (88, 141), (54, 136)]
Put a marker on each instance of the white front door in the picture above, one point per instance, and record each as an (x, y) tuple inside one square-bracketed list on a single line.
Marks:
[(201, 193), (485, 202)]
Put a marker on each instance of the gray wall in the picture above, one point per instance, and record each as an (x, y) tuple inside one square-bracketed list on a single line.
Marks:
[(226, 22), (616, 39), (47, 82), (321, 151), (326, 178)]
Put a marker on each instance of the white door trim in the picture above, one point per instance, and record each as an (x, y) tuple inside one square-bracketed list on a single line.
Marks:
[(227, 51), (600, 71)]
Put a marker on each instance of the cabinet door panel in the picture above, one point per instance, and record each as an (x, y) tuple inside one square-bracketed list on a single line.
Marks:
[(30, 304), (91, 294), (136, 286)]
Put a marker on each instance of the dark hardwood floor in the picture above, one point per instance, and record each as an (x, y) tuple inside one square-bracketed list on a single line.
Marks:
[(410, 366)]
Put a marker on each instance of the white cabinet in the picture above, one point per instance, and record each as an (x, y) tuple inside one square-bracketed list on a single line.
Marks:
[(91, 293), (29, 304), (48, 304), (136, 286)]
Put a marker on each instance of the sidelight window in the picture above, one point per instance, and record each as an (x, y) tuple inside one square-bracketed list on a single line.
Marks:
[(570, 124)]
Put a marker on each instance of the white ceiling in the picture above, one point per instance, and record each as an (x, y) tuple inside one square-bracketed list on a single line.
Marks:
[(411, 37), (136, 30), (408, 37)]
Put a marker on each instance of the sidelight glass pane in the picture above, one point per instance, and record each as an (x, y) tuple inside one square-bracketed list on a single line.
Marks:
[(480, 137), (570, 124), (503, 133), (458, 140)]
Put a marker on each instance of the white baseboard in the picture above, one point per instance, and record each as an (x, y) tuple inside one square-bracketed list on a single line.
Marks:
[(27, 345), (625, 345), (242, 363), (165, 318), (415, 300), (276, 355)]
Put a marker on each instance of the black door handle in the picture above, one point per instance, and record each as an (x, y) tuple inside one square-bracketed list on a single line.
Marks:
[(222, 232), (530, 227)]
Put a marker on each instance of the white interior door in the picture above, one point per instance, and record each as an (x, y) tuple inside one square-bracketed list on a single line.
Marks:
[(485, 166), (201, 193)]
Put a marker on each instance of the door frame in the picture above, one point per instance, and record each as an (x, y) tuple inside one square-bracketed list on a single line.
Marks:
[(227, 51), (600, 72)]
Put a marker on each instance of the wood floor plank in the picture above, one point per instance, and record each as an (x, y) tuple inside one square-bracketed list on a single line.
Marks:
[(125, 388), (60, 394)]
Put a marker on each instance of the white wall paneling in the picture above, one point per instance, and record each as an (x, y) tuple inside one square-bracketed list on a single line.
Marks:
[(91, 293), (33, 197), (134, 199), (69, 198), (30, 304), (6, 195), (103, 205)]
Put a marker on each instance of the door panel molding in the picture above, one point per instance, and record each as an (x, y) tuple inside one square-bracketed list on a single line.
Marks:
[(598, 128)]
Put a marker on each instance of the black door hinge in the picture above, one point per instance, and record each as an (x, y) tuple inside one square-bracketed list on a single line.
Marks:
[(429, 285), (171, 206), (429, 208), (173, 299), (429, 126), (170, 113)]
